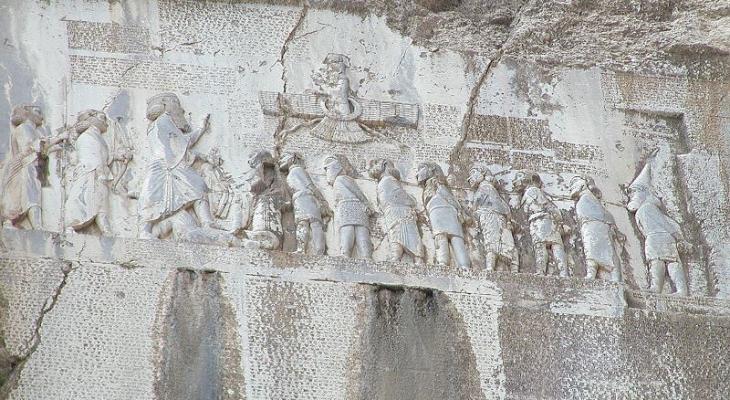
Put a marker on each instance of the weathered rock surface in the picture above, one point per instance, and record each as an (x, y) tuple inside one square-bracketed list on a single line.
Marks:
[(629, 93)]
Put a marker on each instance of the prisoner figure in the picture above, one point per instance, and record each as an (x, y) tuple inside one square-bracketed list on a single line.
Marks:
[(260, 217), (494, 220), (399, 213), (545, 222), (598, 229), (310, 207), (352, 208), (663, 239), (218, 181), (445, 214), (88, 196), (20, 184), (171, 184)]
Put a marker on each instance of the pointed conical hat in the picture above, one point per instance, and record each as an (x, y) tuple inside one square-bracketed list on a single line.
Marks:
[(643, 181)]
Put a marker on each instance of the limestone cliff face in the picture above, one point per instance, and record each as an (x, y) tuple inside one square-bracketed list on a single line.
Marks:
[(558, 88)]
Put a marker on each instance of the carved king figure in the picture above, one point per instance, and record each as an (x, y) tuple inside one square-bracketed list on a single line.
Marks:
[(663, 239), (399, 213), (170, 183), (494, 220), (352, 208), (445, 214)]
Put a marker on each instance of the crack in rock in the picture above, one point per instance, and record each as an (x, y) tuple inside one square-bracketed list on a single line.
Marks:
[(476, 89), (278, 140), (32, 345)]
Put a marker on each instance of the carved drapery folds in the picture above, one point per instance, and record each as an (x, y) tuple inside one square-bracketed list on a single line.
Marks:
[(445, 215), (494, 221), (311, 211), (91, 177)]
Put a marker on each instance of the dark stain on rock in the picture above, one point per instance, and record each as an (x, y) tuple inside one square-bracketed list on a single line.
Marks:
[(415, 346), (199, 348)]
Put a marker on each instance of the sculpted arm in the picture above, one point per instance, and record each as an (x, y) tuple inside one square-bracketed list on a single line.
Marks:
[(195, 136)]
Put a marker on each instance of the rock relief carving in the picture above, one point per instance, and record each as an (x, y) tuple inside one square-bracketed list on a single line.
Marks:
[(352, 208), (259, 215), (545, 223), (221, 194), (311, 211), (333, 111), (445, 214), (493, 218), (398, 208), (92, 179), (599, 234), (27, 150), (663, 238), (173, 200)]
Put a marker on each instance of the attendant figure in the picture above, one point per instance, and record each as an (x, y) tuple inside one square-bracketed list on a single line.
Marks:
[(21, 185), (88, 196)]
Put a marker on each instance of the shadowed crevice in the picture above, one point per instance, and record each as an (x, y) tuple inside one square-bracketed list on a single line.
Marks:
[(415, 346), (199, 346)]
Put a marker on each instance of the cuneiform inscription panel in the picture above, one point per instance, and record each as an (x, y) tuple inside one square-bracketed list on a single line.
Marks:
[(108, 37), (157, 75), (242, 31), (300, 337), (527, 143)]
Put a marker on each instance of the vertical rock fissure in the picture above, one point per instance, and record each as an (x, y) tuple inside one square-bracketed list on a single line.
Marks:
[(278, 136), (456, 153), (13, 365)]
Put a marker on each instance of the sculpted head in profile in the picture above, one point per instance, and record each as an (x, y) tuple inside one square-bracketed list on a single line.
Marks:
[(89, 118), (290, 159), (546, 223), (87, 202), (26, 113), (167, 103)]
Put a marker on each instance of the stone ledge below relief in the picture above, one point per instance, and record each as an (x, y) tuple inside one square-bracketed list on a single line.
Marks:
[(558, 294)]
